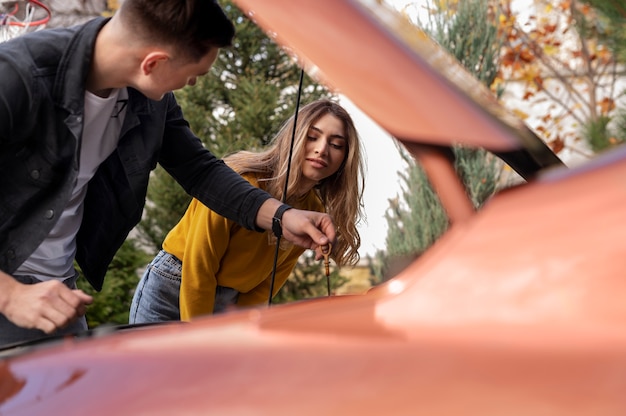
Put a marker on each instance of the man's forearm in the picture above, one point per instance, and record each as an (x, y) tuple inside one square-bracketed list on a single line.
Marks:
[(266, 213), (7, 285), (308, 229)]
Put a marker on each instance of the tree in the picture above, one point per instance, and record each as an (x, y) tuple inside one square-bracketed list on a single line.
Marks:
[(610, 27), (468, 31), (611, 24), (112, 304), (564, 57)]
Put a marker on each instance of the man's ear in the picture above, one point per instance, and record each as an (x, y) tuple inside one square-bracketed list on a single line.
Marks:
[(152, 61)]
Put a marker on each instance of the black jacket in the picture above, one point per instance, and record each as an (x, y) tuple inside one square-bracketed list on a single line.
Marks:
[(42, 87)]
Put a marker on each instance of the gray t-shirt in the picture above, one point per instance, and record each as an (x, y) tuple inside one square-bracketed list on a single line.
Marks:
[(103, 118)]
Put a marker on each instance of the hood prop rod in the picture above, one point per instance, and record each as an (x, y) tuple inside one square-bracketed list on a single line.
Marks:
[(284, 197)]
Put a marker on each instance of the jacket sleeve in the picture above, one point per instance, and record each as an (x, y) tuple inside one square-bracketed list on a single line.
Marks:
[(206, 177), (16, 93), (207, 239)]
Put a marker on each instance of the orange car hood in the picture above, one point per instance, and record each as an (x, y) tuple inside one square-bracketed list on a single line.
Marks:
[(518, 310)]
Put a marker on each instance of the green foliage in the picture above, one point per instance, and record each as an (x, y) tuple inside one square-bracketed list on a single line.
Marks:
[(416, 219), (606, 132), (308, 280), (479, 171), (609, 27), (112, 304), (469, 34), (167, 202), (618, 131)]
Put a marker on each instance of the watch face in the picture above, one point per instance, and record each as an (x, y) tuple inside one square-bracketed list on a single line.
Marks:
[(277, 227)]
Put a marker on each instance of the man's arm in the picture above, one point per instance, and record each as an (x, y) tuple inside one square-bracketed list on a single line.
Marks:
[(224, 191), (47, 306), (308, 229)]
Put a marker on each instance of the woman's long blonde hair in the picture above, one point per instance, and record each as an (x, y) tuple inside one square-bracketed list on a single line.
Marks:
[(341, 193)]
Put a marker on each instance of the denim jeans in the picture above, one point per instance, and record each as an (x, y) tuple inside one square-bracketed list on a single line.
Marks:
[(156, 298), (13, 334)]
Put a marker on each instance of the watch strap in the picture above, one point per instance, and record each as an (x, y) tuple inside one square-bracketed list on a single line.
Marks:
[(277, 224)]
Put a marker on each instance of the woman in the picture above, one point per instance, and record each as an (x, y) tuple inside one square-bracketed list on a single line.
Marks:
[(209, 262)]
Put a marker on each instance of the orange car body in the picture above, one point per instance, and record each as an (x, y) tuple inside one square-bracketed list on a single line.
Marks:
[(517, 309)]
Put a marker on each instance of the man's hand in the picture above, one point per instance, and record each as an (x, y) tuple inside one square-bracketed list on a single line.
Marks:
[(47, 306), (308, 229)]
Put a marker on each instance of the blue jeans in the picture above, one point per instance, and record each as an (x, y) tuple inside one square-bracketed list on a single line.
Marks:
[(13, 334), (156, 298)]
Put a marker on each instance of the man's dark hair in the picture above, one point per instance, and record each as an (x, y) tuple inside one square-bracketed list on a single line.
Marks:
[(191, 26)]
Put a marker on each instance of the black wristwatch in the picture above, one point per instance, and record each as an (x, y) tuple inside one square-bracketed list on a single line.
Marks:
[(277, 225)]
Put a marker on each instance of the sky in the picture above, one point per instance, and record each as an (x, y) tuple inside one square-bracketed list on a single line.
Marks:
[(381, 179), (383, 163)]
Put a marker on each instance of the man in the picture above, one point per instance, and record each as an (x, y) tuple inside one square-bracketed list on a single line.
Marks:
[(85, 114)]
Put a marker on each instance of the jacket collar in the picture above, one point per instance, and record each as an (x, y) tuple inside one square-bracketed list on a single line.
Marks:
[(74, 66)]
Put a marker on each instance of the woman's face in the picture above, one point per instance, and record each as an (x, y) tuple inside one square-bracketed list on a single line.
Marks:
[(325, 149)]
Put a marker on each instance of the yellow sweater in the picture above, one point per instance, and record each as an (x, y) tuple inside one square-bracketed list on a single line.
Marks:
[(217, 251)]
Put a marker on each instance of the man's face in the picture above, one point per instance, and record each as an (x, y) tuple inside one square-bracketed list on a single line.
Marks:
[(170, 74)]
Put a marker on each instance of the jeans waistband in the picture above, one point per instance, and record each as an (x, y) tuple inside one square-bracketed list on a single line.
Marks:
[(31, 280)]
